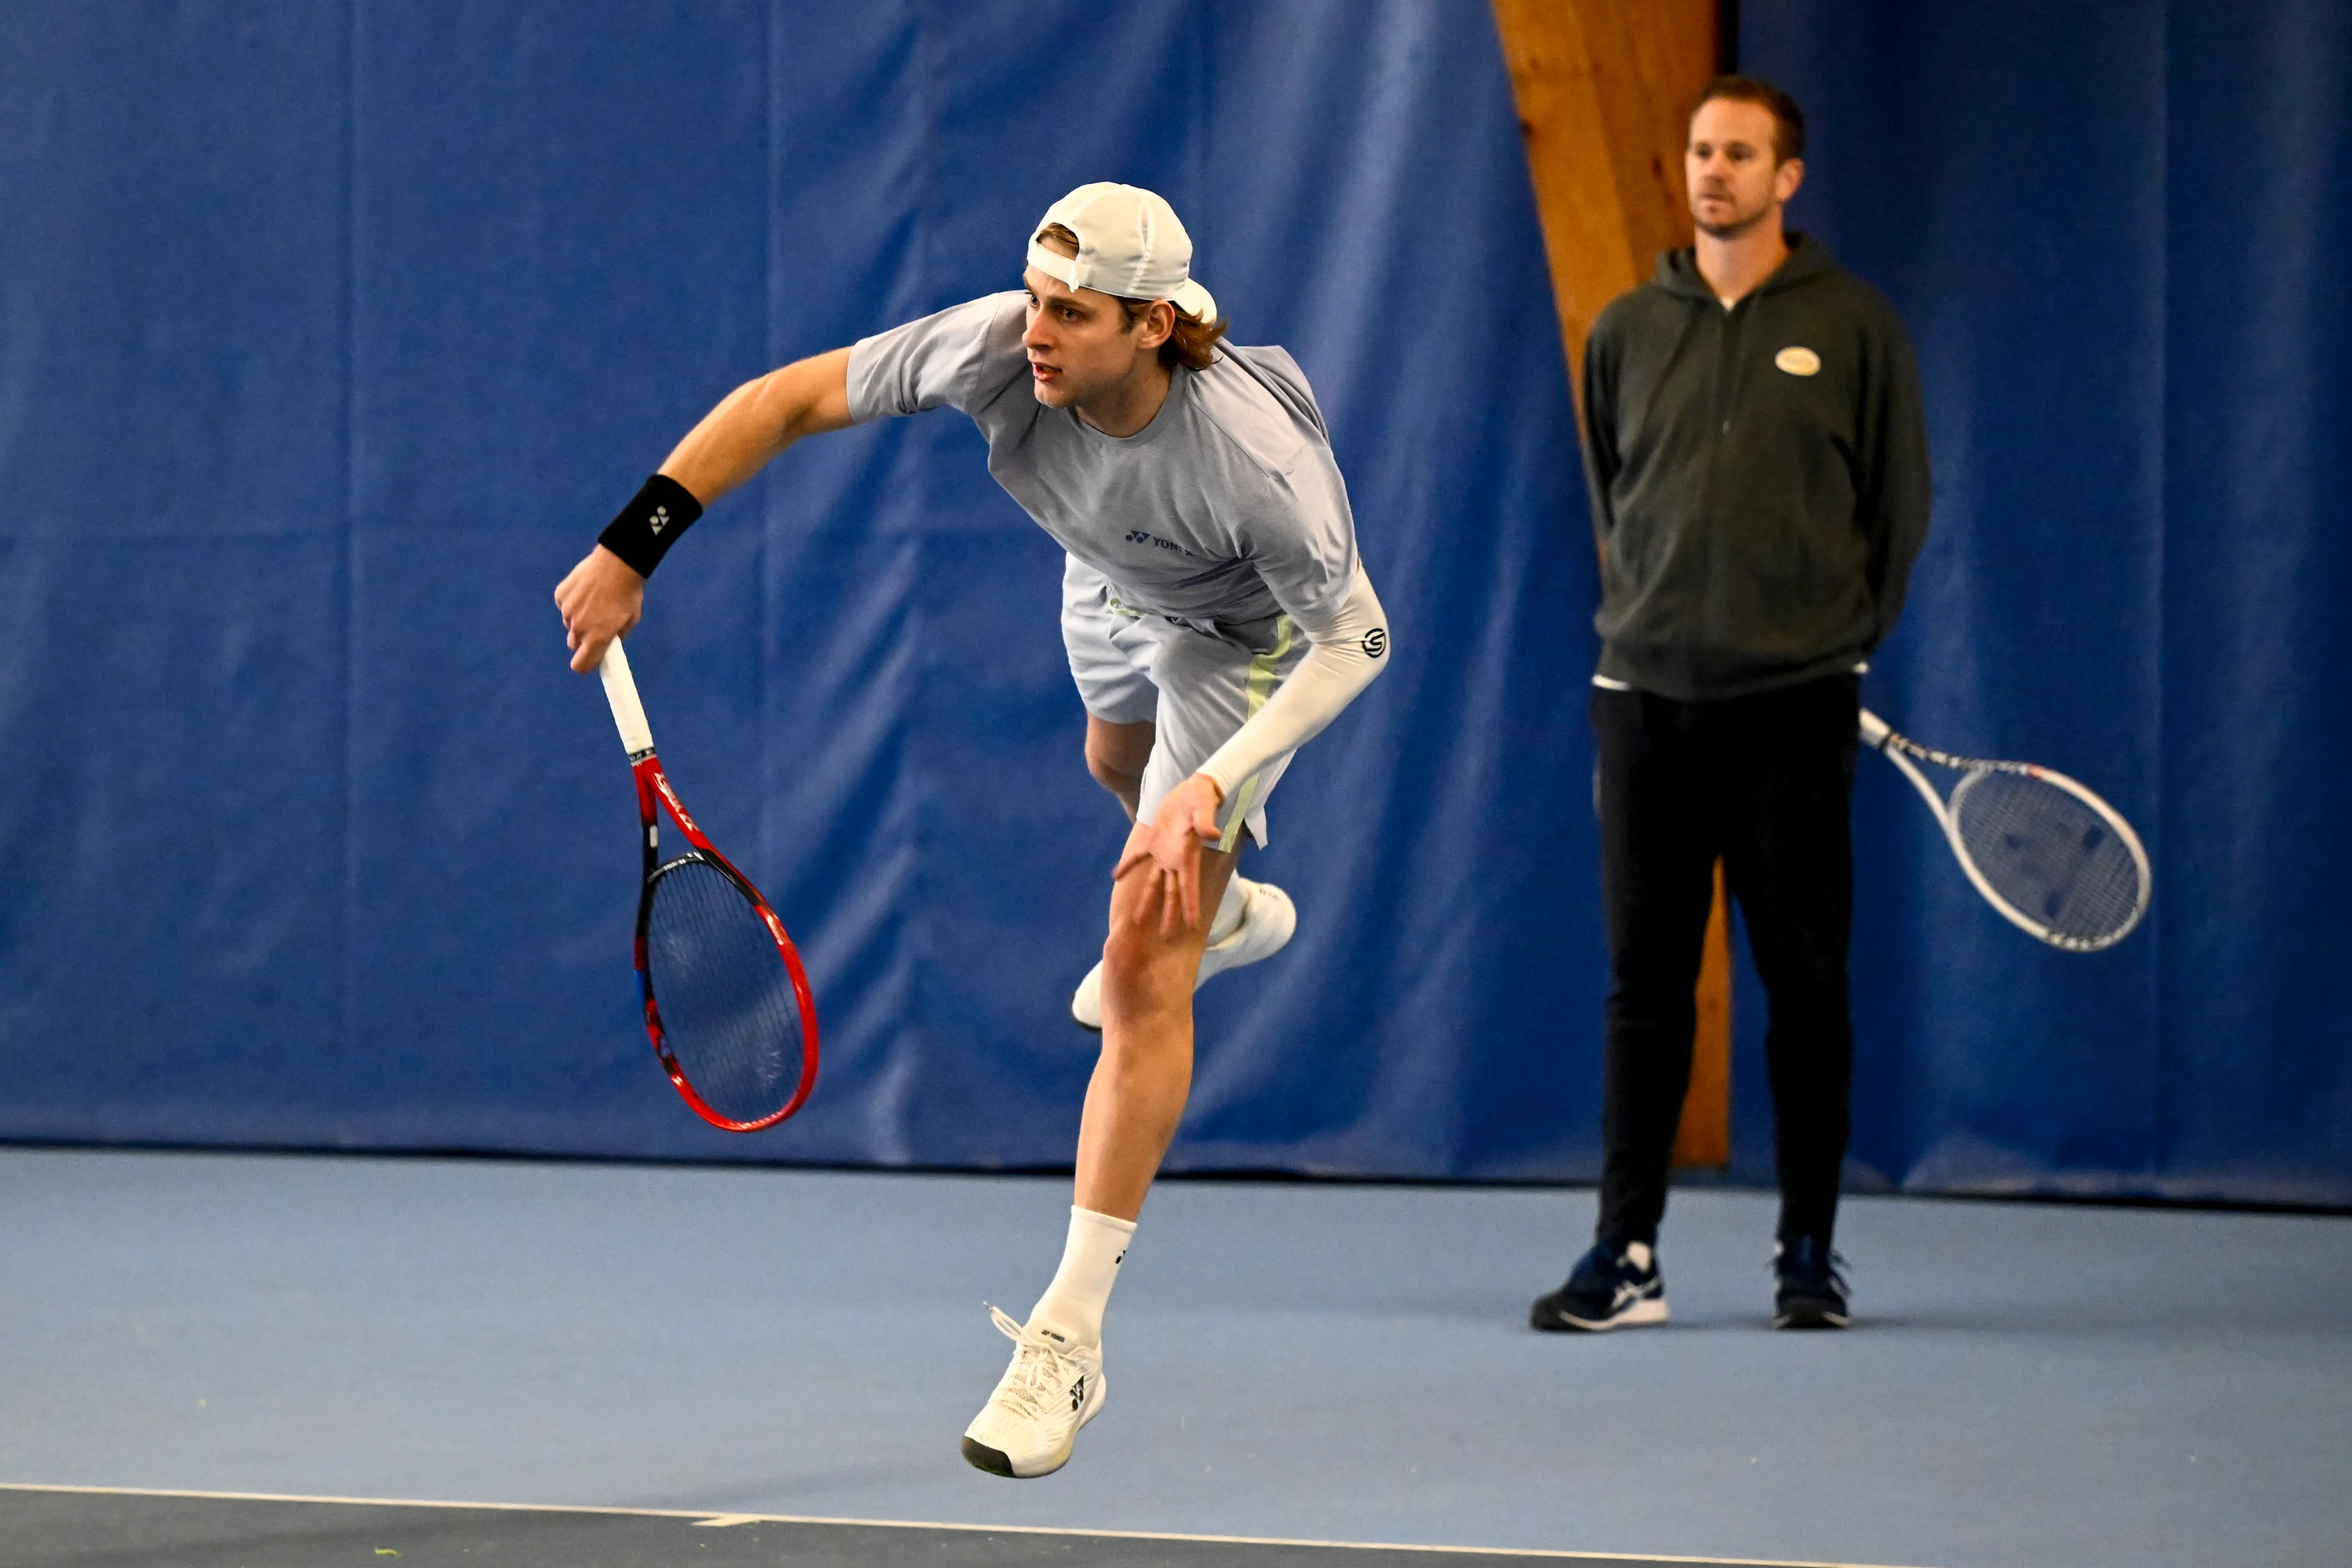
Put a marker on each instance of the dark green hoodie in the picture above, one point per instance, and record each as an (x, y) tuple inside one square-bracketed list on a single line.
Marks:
[(1759, 476)]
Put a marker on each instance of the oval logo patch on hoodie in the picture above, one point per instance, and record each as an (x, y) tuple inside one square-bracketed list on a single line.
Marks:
[(1798, 362)]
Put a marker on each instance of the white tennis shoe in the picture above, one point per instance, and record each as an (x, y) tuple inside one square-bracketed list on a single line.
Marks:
[(1268, 919), (1030, 1423)]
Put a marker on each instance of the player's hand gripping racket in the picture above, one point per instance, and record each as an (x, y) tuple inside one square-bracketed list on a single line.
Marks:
[(2060, 863), (725, 1004)]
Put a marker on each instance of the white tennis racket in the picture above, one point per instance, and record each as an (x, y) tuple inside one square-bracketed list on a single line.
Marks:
[(2058, 862)]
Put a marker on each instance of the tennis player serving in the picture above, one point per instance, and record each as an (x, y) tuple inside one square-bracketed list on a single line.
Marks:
[(1216, 619)]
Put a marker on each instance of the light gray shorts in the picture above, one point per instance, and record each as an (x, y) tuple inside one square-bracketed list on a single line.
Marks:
[(1197, 687)]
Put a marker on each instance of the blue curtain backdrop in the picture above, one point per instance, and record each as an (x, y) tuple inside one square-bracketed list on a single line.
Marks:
[(329, 338)]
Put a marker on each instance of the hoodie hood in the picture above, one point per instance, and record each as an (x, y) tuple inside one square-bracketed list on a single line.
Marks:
[(1808, 259)]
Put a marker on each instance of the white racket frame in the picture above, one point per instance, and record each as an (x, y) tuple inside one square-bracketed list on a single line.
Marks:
[(1899, 748)]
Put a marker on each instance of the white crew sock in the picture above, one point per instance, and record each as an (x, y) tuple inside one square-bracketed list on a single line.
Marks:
[(1073, 1304), (1230, 910)]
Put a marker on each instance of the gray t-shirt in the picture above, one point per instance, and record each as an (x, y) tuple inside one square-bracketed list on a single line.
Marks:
[(1224, 511)]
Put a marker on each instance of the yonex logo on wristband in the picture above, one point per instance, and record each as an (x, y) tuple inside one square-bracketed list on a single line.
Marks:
[(1376, 642), (657, 517)]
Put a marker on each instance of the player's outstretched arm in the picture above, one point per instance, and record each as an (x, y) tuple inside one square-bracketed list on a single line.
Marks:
[(758, 420), (604, 597)]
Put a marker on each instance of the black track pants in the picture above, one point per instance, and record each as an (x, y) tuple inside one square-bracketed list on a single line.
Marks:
[(1766, 783)]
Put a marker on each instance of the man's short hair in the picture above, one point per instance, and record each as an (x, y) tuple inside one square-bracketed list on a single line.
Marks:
[(1787, 120)]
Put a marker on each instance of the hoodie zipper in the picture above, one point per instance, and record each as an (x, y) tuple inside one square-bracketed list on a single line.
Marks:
[(1728, 363)]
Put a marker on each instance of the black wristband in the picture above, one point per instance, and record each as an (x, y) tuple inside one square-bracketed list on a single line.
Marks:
[(660, 510)]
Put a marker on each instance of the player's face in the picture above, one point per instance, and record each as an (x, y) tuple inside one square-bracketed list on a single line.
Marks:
[(1081, 344), (1735, 178)]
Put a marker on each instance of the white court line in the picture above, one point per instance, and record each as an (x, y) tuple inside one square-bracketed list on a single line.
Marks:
[(709, 1517)]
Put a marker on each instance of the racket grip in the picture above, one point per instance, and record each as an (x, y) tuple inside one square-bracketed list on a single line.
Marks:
[(1874, 727), (621, 691)]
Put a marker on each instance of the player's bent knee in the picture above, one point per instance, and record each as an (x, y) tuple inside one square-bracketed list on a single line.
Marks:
[(1142, 970), (1107, 773), (1116, 754), (1128, 953)]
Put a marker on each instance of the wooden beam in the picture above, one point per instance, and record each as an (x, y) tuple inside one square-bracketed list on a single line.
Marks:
[(1604, 88), (1703, 1137)]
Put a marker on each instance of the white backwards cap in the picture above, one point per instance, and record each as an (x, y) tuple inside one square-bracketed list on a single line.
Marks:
[(1130, 244)]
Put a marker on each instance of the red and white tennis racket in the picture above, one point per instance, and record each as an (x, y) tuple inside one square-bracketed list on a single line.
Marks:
[(2057, 861), (726, 1005)]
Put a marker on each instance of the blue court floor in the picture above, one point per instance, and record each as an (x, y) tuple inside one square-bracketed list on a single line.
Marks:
[(2028, 1384)]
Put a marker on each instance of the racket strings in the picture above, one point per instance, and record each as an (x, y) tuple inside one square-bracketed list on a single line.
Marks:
[(2049, 854), (728, 1010)]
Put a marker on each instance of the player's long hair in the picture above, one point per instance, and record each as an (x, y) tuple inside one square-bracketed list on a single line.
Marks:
[(1193, 344)]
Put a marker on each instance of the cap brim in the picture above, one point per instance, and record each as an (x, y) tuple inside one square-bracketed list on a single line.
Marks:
[(1063, 269), (1195, 300)]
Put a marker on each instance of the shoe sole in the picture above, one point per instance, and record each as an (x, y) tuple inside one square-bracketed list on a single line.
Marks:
[(1810, 1317), (1653, 1310), (981, 1457), (997, 1462)]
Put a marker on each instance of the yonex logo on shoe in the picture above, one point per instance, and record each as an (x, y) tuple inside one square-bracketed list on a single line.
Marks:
[(1376, 642), (1079, 1391)]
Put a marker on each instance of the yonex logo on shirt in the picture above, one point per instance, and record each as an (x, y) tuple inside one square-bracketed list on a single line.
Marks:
[(1137, 536)]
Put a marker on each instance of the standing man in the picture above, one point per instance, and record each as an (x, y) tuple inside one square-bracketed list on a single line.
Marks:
[(1758, 471), (1216, 619)]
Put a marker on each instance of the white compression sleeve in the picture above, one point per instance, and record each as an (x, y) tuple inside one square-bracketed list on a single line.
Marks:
[(1347, 654)]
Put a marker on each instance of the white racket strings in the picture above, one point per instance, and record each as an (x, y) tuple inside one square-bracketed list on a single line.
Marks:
[(2048, 853)]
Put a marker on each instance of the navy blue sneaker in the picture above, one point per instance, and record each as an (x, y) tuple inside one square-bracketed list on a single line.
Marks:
[(1811, 1293), (1605, 1290)]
